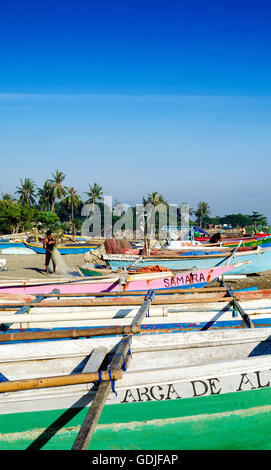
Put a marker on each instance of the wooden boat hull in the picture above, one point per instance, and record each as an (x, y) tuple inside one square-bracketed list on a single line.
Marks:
[(179, 392), (4, 245), (246, 241), (139, 282), (264, 242), (256, 261), (174, 313), (64, 250)]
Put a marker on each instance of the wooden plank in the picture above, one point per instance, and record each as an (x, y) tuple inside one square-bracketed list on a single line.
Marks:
[(165, 300), (139, 293), (143, 310), (243, 314), (88, 427), (135, 301), (22, 310), (95, 360), (89, 424)]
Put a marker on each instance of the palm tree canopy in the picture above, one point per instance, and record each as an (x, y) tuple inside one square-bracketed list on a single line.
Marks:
[(7, 197), (46, 196), (58, 189), (26, 192), (203, 210), (72, 197), (154, 198), (95, 193)]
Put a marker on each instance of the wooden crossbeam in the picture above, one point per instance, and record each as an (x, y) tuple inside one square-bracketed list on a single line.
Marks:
[(243, 314), (88, 427), (89, 424)]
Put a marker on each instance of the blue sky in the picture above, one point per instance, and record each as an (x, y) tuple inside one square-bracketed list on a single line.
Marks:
[(140, 96)]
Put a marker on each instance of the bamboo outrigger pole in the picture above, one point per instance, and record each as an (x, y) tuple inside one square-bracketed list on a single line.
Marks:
[(70, 333), (58, 380)]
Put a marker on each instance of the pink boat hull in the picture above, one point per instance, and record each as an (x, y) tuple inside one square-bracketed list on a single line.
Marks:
[(181, 280)]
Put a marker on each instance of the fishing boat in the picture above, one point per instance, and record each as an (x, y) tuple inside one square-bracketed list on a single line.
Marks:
[(65, 248), (180, 310), (246, 241), (257, 241), (172, 391), (122, 282), (257, 260)]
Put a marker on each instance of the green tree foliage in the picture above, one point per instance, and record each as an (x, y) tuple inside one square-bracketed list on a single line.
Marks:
[(46, 197), (72, 200), (59, 191), (8, 197), (258, 219), (26, 192), (48, 219), (155, 199), (14, 217), (202, 213), (94, 194), (55, 204)]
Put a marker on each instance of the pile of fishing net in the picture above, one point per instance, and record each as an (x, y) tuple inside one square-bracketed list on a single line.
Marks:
[(152, 269), (110, 246)]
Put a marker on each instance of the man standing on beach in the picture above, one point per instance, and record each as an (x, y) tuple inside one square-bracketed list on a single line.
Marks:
[(48, 245)]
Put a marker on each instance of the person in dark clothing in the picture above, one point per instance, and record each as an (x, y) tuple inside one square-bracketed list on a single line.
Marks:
[(215, 238), (48, 245)]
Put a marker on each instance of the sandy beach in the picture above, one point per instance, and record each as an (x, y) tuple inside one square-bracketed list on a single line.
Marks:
[(32, 266)]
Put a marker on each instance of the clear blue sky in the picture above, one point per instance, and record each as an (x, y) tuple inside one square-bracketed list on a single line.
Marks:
[(140, 96)]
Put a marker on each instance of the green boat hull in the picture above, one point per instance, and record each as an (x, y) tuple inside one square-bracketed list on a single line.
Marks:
[(228, 421), (90, 272), (255, 242)]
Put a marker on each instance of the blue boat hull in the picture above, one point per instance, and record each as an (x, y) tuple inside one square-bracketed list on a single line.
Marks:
[(4, 245), (258, 262), (63, 250)]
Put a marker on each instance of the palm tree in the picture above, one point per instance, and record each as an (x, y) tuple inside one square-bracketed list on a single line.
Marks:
[(154, 199), (26, 192), (46, 196), (72, 199), (203, 210), (7, 197), (95, 194), (58, 190)]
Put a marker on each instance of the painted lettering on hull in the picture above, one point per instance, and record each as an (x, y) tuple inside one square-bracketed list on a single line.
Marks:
[(198, 388), (184, 280)]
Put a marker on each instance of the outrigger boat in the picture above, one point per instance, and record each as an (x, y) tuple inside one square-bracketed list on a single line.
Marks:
[(255, 261), (122, 282), (172, 391), (177, 310), (64, 249)]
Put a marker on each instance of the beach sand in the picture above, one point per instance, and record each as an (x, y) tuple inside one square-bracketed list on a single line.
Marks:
[(32, 267)]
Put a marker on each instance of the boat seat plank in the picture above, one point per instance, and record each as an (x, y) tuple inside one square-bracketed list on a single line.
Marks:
[(95, 360)]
